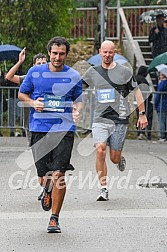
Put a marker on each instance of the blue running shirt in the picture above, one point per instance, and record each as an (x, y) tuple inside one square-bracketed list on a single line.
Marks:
[(59, 90)]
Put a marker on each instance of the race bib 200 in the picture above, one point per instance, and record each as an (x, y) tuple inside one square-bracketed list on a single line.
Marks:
[(54, 103)]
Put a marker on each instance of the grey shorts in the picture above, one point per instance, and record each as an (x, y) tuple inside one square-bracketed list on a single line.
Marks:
[(111, 134)]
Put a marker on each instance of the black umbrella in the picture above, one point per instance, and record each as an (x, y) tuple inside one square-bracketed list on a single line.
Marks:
[(150, 16), (9, 52)]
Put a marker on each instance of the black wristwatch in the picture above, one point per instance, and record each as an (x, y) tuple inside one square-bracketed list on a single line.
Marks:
[(142, 112)]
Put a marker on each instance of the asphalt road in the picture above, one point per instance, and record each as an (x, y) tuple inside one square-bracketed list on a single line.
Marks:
[(133, 220)]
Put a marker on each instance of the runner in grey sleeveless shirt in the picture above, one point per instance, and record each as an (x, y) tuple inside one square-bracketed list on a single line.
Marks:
[(112, 83)]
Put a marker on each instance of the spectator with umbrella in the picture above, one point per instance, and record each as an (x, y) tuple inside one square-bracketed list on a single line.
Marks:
[(157, 36)]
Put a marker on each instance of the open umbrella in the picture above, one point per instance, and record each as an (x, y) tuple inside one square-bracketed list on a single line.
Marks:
[(96, 59), (9, 52), (150, 16), (160, 59), (162, 68)]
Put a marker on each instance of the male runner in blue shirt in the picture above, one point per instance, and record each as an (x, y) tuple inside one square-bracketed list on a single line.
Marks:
[(53, 91)]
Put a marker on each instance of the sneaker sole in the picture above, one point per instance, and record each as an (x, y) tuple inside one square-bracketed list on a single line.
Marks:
[(121, 170), (53, 231), (101, 199)]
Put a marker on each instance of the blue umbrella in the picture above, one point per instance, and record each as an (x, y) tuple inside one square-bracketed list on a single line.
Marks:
[(96, 59), (9, 52)]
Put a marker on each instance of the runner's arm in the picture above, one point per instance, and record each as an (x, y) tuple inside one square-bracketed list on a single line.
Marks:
[(11, 74), (77, 107), (142, 120), (37, 104)]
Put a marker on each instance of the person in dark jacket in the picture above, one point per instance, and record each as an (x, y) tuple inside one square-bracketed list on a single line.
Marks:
[(157, 37), (141, 79), (160, 103)]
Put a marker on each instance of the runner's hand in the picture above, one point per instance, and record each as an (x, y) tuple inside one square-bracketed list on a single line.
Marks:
[(76, 115), (156, 30), (142, 122), (22, 55), (38, 105)]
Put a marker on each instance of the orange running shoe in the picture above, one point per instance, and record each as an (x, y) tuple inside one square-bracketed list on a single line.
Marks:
[(53, 226), (46, 200)]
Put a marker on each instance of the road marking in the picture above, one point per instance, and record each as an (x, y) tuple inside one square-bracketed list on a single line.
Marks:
[(81, 214), (12, 149)]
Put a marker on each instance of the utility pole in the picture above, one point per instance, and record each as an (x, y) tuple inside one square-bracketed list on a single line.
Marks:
[(118, 20), (101, 23), (102, 20)]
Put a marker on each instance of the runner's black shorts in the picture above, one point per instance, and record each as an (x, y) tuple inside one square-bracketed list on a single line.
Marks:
[(52, 151)]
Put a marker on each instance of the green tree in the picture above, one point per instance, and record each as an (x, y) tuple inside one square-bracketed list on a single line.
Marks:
[(31, 23)]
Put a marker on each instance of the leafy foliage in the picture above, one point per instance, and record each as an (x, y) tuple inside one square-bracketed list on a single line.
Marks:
[(32, 23)]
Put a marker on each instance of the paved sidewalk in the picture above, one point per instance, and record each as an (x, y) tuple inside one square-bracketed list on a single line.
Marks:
[(133, 220)]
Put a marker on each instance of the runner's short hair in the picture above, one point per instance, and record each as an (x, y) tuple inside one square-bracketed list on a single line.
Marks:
[(39, 56), (58, 41)]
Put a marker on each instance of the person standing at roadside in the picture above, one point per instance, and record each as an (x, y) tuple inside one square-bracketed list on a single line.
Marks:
[(160, 102), (144, 87), (38, 59), (157, 37), (54, 93), (165, 28), (112, 82), (11, 75)]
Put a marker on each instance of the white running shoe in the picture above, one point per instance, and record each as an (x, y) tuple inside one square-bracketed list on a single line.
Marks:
[(103, 196)]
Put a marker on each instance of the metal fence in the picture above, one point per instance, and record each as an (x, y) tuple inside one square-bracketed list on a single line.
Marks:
[(152, 130), (13, 117), (84, 22)]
